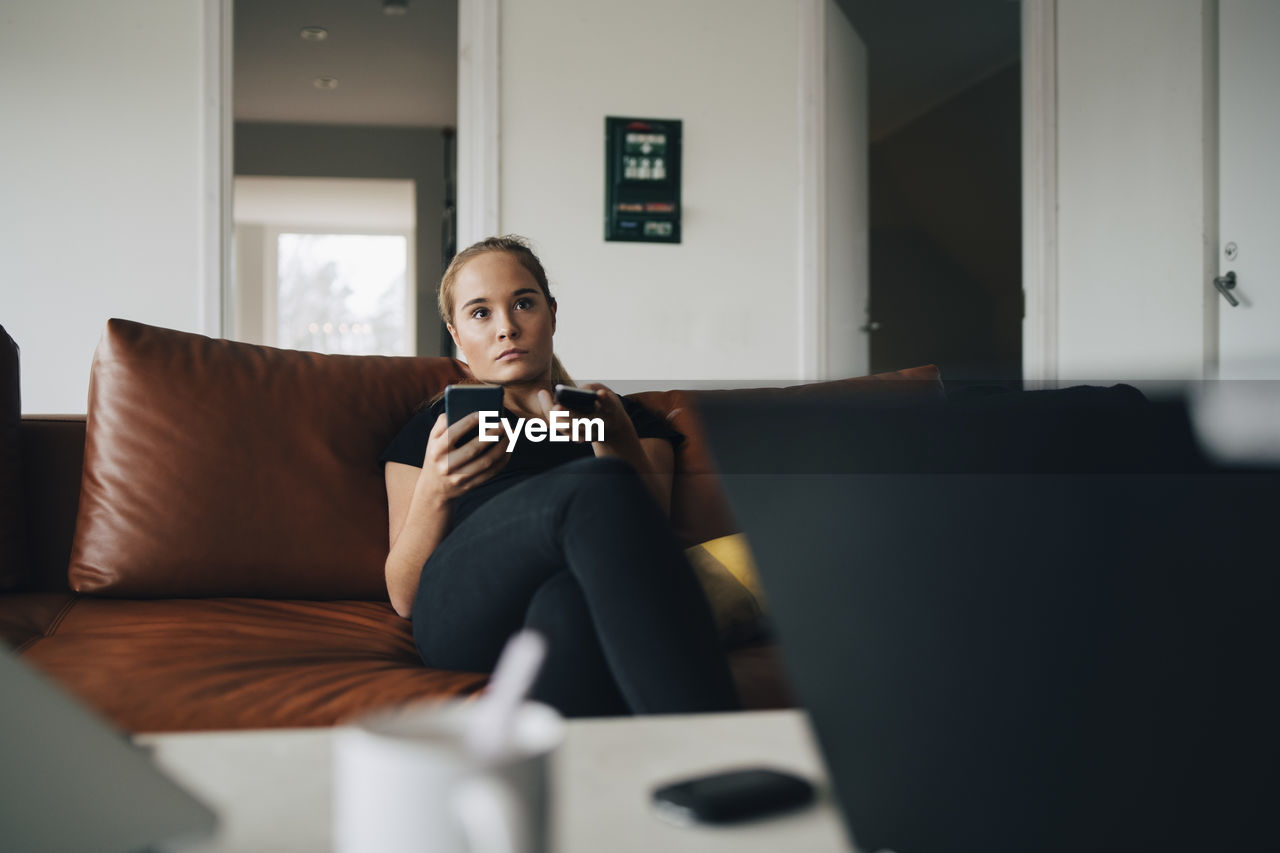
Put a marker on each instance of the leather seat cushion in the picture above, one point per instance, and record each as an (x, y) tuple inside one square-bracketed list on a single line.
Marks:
[(26, 616), (220, 663), (232, 663)]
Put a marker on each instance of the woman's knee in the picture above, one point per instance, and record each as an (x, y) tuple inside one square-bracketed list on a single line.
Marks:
[(559, 607)]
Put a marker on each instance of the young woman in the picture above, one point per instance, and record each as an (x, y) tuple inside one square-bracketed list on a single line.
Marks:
[(570, 539)]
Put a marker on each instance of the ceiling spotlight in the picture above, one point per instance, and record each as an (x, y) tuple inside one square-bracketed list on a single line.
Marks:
[(325, 82), (313, 33), (395, 7)]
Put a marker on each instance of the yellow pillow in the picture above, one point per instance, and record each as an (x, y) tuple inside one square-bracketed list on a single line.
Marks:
[(726, 572), (734, 552)]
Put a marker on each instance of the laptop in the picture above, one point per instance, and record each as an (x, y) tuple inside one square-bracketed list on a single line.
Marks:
[(69, 782), (1015, 627)]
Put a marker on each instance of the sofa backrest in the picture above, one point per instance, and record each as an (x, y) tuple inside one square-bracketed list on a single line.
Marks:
[(12, 522), (52, 466), (699, 509), (217, 468)]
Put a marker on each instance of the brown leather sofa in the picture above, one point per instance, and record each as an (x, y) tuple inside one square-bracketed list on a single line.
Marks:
[(204, 549)]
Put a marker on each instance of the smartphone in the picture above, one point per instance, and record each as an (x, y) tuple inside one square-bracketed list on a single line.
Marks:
[(576, 400), (462, 400), (732, 796)]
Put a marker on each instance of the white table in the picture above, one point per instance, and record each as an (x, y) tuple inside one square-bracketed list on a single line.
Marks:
[(272, 787)]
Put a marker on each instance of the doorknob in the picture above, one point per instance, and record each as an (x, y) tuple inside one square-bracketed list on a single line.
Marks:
[(1225, 284)]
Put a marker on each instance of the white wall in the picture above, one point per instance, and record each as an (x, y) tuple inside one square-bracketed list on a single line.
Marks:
[(102, 169), (371, 203), (1136, 194), (723, 304)]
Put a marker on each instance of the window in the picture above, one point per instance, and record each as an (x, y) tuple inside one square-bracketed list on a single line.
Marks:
[(324, 264), (343, 293)]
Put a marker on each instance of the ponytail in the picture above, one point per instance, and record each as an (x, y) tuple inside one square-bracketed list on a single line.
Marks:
[(560, 376)]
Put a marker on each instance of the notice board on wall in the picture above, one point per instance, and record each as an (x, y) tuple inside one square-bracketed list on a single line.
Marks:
[(642, 179)]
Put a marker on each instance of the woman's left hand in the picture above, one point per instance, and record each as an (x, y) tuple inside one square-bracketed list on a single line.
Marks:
[(619, 431), (653, 464)]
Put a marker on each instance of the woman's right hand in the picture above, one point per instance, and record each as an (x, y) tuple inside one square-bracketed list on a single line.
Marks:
[(450, 471)]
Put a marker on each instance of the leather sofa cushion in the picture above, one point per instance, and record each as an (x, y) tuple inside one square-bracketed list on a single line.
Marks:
[(221, 468), (227, 663), (218, 663), (25, 617), (699, 509)]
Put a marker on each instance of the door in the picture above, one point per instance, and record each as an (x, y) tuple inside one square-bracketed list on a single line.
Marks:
[(1249, 137), (844, 215)]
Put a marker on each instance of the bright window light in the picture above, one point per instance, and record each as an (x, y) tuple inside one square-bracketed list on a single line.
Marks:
[(342, 293)]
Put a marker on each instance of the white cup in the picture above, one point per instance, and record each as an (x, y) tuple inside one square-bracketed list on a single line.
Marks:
[(403, 780)]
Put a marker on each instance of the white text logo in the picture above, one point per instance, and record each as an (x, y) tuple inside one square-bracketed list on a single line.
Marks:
[(564, 427)]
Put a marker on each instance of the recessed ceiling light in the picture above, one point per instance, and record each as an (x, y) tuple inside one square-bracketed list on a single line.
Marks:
[(313, 33), (325, 82), (395, 7)]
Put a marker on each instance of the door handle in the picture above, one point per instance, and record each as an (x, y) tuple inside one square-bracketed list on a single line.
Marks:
[(1226, 284)]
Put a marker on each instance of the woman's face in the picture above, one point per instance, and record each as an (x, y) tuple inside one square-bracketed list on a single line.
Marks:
[(501, 321)]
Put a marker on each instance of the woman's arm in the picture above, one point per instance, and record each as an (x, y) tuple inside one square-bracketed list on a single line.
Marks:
[(419, 518), (420, 500)]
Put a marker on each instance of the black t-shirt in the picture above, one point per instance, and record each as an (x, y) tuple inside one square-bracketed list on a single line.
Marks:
[(528, 458)]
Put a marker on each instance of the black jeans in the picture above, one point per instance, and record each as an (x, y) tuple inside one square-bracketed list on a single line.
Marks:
[(582, 554)]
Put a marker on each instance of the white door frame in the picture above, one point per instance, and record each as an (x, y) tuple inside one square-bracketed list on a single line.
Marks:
[(479, 120), (811, 273), (213, 305), (1039, 191)]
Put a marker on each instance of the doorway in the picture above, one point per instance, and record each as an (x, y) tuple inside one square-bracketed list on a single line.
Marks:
[(348, 94), (944, 127)]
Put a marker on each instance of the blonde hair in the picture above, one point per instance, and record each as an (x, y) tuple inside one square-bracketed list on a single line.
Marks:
[(518, 248)]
